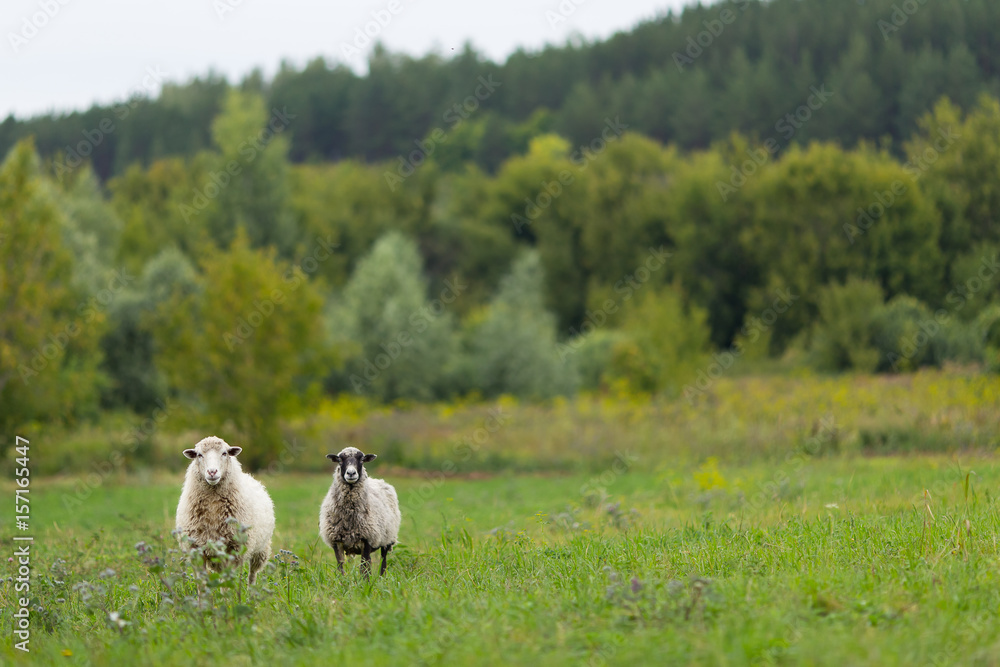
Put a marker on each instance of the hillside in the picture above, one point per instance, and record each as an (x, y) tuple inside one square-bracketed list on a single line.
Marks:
[(688, 79)]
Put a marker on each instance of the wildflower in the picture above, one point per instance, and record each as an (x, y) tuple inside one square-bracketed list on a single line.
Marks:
[(117, 621)]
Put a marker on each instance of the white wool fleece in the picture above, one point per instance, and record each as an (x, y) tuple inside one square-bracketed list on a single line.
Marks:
[(216, 488)]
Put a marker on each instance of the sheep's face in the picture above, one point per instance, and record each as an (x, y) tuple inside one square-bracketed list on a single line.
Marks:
[(352, 463), (212, 456)]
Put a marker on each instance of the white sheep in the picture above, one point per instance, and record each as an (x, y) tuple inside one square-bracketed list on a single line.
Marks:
[(359, 514), (215, 489)]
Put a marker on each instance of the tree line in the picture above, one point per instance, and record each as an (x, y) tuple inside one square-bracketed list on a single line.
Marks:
[(241, 285), (687, 79)]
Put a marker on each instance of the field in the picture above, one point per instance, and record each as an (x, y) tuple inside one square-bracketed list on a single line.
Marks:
[(821, 546)]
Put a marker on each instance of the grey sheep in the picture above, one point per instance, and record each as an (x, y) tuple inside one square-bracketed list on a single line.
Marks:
[(359, 514)]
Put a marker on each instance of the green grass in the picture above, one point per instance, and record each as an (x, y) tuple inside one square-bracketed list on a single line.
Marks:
[(840, 560)]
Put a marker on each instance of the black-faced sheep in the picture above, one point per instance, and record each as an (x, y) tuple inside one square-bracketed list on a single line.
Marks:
[(359, 514), (215, 489)]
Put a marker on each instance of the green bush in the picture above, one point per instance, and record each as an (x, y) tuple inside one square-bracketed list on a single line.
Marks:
[(134, 380), (987, 326), (903, 333), (857, 332), (843, 337), (910, 335), (664, 343), (398, 344), (971, 293), (958, 342), (513, 348), (594, 353)]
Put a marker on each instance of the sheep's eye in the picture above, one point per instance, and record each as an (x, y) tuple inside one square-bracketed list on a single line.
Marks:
[(224, 454), (199, 456)]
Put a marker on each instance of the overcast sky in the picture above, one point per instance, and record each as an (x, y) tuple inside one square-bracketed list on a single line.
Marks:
[(104, 50)]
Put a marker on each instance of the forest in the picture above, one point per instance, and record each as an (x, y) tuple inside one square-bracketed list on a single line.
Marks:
[(809, 188), (686, 79)]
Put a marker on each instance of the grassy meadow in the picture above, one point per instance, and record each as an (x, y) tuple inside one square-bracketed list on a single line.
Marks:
[(774, 521)]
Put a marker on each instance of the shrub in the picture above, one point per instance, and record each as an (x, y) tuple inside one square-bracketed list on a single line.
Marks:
[(128, 346), (902, 332), (856, 331), (987, 327), (664, 343), (843, 335), (513, 347), (594, 353), (958, 342), (973, 289), (398, 346)]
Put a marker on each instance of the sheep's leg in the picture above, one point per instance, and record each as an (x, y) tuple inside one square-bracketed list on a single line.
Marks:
[(257, 562), (366, 560), (338, 549), (385, 553)]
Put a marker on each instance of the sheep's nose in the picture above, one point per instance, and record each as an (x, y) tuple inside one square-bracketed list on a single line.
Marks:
[(213, 473)]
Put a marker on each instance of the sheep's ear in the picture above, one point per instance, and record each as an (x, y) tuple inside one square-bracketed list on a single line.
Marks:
[(334, 457), (235, 451), (191, 453), (369, 457)]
